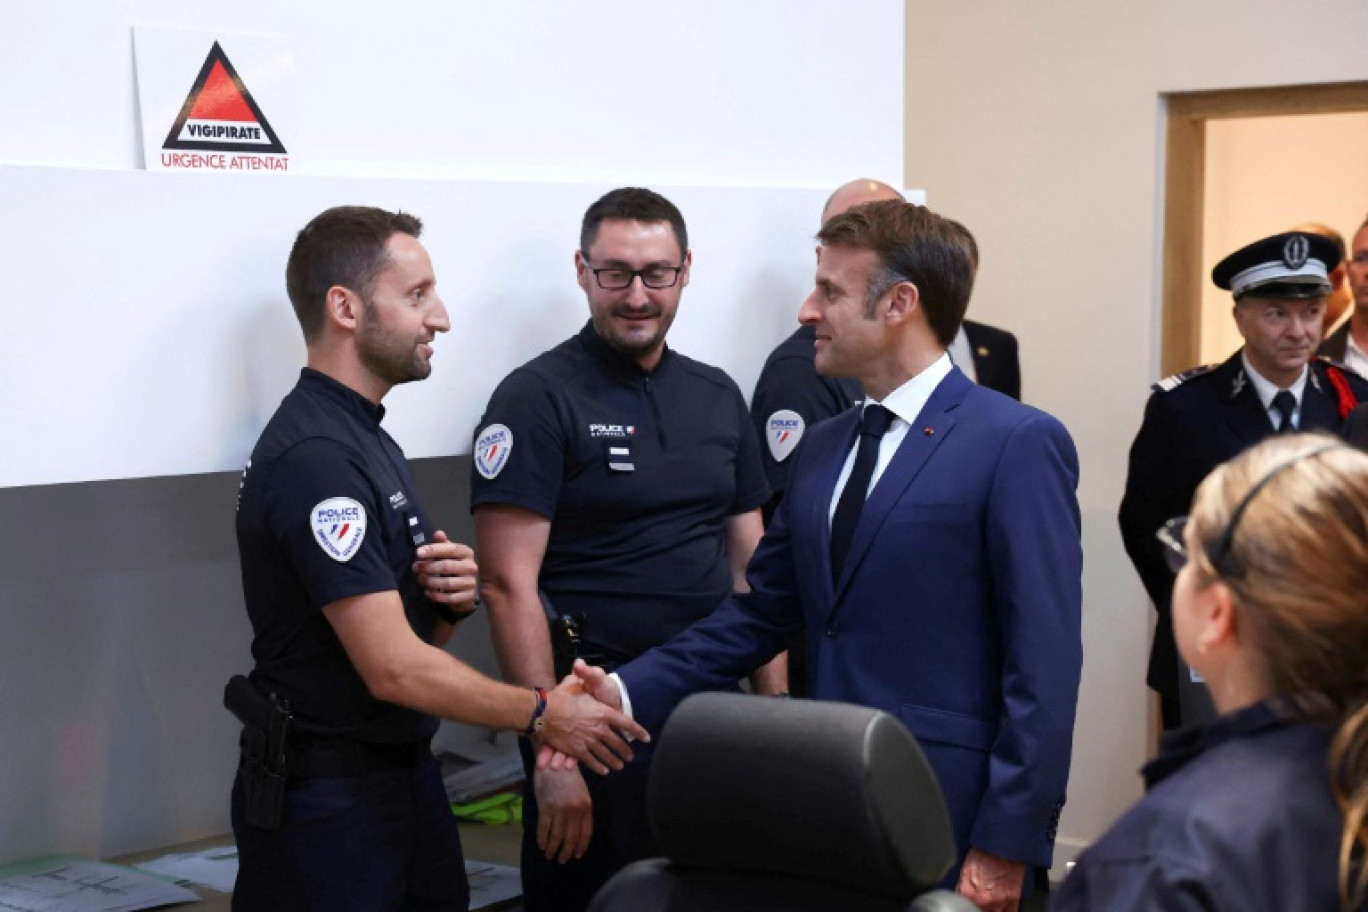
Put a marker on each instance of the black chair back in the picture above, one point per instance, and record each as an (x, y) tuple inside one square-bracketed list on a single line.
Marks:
[(796, 805)]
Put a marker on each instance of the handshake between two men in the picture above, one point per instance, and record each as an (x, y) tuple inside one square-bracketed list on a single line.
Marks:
[(582, 720), (589, 682)]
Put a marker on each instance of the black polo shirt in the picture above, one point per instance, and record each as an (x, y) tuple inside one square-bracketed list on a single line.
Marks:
[(790, 397), (328, 510), (638, 472)]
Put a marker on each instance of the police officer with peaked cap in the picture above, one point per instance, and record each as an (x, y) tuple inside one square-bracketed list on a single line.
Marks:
[(351, 594), (1200, 418)]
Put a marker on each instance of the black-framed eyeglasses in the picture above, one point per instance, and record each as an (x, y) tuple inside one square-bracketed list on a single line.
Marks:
[(1220, 553), (1170, 535), (616, 278)]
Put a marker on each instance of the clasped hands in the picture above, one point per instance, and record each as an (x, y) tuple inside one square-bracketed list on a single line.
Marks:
[(592, 684), (574, 723)]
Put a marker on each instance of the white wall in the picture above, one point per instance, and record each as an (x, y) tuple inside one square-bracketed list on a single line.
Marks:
[(180, 275), (1040, 125), (608, 91)]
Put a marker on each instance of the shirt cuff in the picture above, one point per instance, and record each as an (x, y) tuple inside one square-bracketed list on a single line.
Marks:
[(622, 695)]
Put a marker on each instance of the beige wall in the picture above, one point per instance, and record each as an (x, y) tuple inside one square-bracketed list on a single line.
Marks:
[(1266, 174), (1040, 125)]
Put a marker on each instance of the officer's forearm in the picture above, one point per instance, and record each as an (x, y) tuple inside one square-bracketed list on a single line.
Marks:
[(399, 668), (512, 543), (441, 685), (517, 625)]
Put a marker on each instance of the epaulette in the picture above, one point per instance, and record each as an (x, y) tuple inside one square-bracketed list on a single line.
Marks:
[(1335, 372), (1331, 362), (1169, 384)]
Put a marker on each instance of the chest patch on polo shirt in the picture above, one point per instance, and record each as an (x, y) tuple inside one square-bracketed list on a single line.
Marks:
[(783, 430), (620, 458), (612, 430), (491, 450), (339, 527)]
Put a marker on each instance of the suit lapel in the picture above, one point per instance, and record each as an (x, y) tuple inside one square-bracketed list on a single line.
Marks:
[(924, 436), (1337, 344), (1319, 407)]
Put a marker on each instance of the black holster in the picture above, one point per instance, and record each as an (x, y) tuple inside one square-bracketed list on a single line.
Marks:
[(265, 746), (567, 639)]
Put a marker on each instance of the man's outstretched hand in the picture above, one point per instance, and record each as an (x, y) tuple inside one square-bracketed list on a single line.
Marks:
[(594, 683), (585, 722)]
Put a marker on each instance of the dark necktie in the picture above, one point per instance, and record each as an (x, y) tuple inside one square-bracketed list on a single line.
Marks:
[(1285, 402), (873, 423)]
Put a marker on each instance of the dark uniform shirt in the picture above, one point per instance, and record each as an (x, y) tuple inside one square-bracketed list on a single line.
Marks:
[(1193, 423), (790, 397), (328, 510), (638, 471), (1238, 815)]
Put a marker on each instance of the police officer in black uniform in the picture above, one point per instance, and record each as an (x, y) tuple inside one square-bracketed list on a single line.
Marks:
[(1198, 419), (339, 804), (622, 480)]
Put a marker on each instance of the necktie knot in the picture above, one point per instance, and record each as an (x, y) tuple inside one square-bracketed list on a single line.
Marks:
[(875, 420), (1285, 403)]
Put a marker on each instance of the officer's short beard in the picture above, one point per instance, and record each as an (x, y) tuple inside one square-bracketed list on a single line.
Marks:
[(389, 357)]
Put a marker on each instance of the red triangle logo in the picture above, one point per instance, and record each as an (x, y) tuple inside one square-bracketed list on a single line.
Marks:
[(220, 115)]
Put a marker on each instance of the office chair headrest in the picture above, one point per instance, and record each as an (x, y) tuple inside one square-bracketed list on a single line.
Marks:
[(831, 791)]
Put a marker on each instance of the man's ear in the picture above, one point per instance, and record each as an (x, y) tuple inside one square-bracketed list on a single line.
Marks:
[(342, 307), (1238, 316), (582, 271), (904, 300)]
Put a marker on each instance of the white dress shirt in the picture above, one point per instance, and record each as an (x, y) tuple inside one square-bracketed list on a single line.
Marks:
[(1267, 389), (906, 403), (1354, 357)]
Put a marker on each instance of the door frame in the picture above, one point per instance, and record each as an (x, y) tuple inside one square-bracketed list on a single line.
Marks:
[(1184, 192)]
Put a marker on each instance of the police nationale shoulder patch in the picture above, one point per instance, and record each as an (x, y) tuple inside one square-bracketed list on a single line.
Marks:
[(339, 527), (783, 430), (1169, 384), (491, 450)]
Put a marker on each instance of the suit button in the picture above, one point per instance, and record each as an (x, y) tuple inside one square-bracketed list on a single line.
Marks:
[(831, 631)]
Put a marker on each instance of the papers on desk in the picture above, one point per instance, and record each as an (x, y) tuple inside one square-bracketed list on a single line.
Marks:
[(65, 884), (76, 885), (214, 868), (491, 886)]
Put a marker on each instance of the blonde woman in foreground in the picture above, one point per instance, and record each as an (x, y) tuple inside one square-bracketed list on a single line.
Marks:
[(1264, 808)]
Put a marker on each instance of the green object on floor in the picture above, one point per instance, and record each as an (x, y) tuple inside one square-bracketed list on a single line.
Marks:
[(496, 809)]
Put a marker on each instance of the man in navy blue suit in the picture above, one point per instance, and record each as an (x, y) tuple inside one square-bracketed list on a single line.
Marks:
[(929, 544)]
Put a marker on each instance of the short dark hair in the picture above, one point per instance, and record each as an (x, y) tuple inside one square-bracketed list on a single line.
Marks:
[(914, 245), (342, 246), (635, 204)]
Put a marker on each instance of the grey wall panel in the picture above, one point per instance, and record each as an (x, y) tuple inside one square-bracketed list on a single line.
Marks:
[(123, 618)]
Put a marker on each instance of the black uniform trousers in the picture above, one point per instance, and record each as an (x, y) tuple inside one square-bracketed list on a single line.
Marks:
[(383, 840)]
